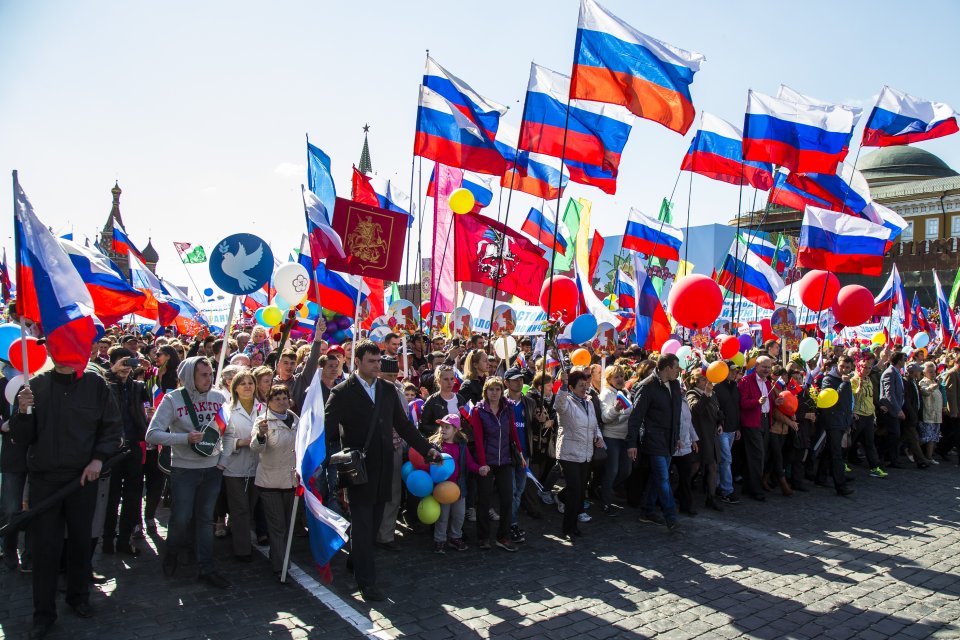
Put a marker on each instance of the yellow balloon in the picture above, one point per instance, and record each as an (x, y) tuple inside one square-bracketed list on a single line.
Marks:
[(827, 398), (879, 338), (461, 201), (738, 359), (580, 358), (717, 371), (272, 316), (304, 311)]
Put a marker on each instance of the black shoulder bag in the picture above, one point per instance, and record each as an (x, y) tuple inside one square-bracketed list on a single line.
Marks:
[(351, 463), (211, 434)]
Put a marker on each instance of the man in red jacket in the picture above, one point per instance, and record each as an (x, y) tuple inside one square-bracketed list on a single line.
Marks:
[(755, 407)]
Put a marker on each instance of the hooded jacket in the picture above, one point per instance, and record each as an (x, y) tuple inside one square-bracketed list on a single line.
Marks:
[(171, 423)]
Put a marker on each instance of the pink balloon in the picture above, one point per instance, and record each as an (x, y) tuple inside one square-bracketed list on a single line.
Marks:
[(670, 346)]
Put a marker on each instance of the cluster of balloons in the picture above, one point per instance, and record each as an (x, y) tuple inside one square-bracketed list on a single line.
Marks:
[(430, 483), (610, 302), (11, 346), (338, 329)]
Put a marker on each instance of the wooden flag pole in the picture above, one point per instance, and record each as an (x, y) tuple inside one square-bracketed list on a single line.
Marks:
[(225, 347)]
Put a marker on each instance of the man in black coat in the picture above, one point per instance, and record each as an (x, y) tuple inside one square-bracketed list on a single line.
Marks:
[(728, 396), (657, 409), (71, 425), (835, 420), (353, 405)]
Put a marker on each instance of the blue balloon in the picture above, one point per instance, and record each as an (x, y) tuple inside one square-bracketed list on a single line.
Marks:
[(258, 316), (419, 483), (8, 334), (406, 470), (208, 292), (313, 309), (443, 471), (282, 304), (583, 329)]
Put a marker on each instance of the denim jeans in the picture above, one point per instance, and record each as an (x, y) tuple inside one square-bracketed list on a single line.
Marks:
[(658, 487), (617, 467), (519, 484), (193, 494), (725, 485)]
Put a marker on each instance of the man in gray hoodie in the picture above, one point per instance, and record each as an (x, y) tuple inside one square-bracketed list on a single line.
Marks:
[(194, 478)]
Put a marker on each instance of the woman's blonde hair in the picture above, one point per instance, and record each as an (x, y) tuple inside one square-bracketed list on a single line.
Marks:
[(611, 371), (492, 381), (470, 364)]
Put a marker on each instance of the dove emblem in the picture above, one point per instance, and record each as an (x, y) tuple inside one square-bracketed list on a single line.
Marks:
[(237, 264)]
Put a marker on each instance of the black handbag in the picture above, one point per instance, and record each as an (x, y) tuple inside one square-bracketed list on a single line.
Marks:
[(351, 464), (599, 454)]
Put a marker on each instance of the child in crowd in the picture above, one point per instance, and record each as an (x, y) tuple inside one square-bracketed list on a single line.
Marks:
[(454, 442)]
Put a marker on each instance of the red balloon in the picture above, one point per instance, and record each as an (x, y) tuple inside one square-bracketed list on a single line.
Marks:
[(417, 460), (854, 305), (36, 354), (695, 301), (564, 298), (425, 309), (787, 403), (818, 290), (729, 347)]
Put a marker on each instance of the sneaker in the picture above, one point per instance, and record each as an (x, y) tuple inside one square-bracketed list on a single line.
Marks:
[(730, 499), (910, 456), (439, 547), (877, 472), (214, 579), (546, 497), (471, 515), (484, 545), (517, 535), (457, 544), (932, 461), (493, 515), (584, 517), (652, 518), (506, 545), (612, 510), (560, 507)]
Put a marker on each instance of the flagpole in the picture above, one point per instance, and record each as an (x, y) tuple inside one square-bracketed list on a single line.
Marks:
[(20, 290), (413, 162), (192, 281), (503, 238), (303, 240), (225, 346), (293, 520), (418, 271)]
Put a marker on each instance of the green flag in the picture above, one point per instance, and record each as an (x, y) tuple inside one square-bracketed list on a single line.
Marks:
[(569, 230), (955, 290), (665, 216), (191, 254)]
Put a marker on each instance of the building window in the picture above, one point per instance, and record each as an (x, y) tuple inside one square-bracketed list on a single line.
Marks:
[(907, 235), (932, 229), (955, 226)]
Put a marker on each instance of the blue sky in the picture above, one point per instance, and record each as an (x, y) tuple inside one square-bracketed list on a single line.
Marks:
[(200, 108)]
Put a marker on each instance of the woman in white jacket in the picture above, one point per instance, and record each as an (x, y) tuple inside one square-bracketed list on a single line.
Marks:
[(274, 437), (616, 414), (240, 467)]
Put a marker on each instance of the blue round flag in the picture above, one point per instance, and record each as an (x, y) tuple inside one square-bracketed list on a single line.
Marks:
[(240, 264)]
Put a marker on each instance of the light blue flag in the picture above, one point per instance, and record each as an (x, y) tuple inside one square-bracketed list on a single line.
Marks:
[(319, 179)]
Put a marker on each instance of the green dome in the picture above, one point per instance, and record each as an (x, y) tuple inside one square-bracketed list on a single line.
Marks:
[(893, 165)]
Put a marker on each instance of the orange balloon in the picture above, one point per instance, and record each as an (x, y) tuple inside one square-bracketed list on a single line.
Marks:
[(580, 358), (717, 371), (446, 492)]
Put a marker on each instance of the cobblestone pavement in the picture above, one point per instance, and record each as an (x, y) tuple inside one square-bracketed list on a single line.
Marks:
[(883, 564)]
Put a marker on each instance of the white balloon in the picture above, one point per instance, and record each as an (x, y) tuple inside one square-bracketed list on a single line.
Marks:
[(505, 347), (13, 387), (292, 282)]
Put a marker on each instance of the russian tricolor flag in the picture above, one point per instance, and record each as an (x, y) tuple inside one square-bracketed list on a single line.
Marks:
[(455, 125), (787, 194), (802, 137), (50, 292), (479, 185), (652, 324), (899, 118), (541, 229), (336, 293), (625, 289), (327, 531), (879, 214), (947, 321), (120, 242), (759, 243), (892, 298), (157, 305), (844, 244), (716, 151), (745, 273), (615, 63), (221, 419), (623, 401), (593, 132), (157, 396), (846, 191), (323, 240), (535, 174), (652, 237), (112, 296)]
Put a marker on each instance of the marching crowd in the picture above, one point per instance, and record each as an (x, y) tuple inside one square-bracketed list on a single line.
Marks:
[(527, 435)]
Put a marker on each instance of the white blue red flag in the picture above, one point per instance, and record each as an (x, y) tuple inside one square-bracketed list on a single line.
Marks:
[(840, 243), (323, 240), (947, 322), (615, 63), (121, 243), (899, 118), (892, 299), (625, 289), (716, 151), (652, 323), (327, 531), (319, 178), (541, 228), (50, 292), (743, 272), (338, 293), (761, 244), (652, 237), (158, 304), (113, 297)]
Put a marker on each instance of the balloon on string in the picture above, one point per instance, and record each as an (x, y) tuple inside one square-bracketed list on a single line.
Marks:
[(695, 301), (685, 355), (670, 346), (8, 333), (827, 398), (729, 347), (304, 311), (292, 281), (808, 349), (443, 471), (583, 328), (505, 347), (446, 492), (854, 305), (738, 359), (564, 298), (580, 358), (208, 292), (406, 470), (879, 338), (425, 309), (921, 340), (461, 201), (419, 483), (14, 385), (428, 511), (818, 289), (787, 403), (744, 342), (272, 316), (717, 371), (36, 355)]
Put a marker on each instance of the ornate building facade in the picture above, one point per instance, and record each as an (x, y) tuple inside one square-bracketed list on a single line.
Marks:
[(106, 239)]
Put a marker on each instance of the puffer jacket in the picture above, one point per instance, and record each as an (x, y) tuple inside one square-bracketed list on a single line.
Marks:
[(241, 462), (493, 434), (577, 427), (277, 451)]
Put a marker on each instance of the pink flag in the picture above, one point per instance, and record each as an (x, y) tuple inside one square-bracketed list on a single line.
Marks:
[(443, 285)]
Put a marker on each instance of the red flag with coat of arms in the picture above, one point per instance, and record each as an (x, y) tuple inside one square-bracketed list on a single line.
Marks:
[(477, 240)]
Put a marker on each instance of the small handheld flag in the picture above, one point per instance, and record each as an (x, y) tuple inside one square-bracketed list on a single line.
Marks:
[(623, 401)]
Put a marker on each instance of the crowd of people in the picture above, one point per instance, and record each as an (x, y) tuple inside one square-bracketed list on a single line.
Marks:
[(527, 435)]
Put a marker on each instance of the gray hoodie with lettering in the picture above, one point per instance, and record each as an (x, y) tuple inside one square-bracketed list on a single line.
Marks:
[(172, 423)]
